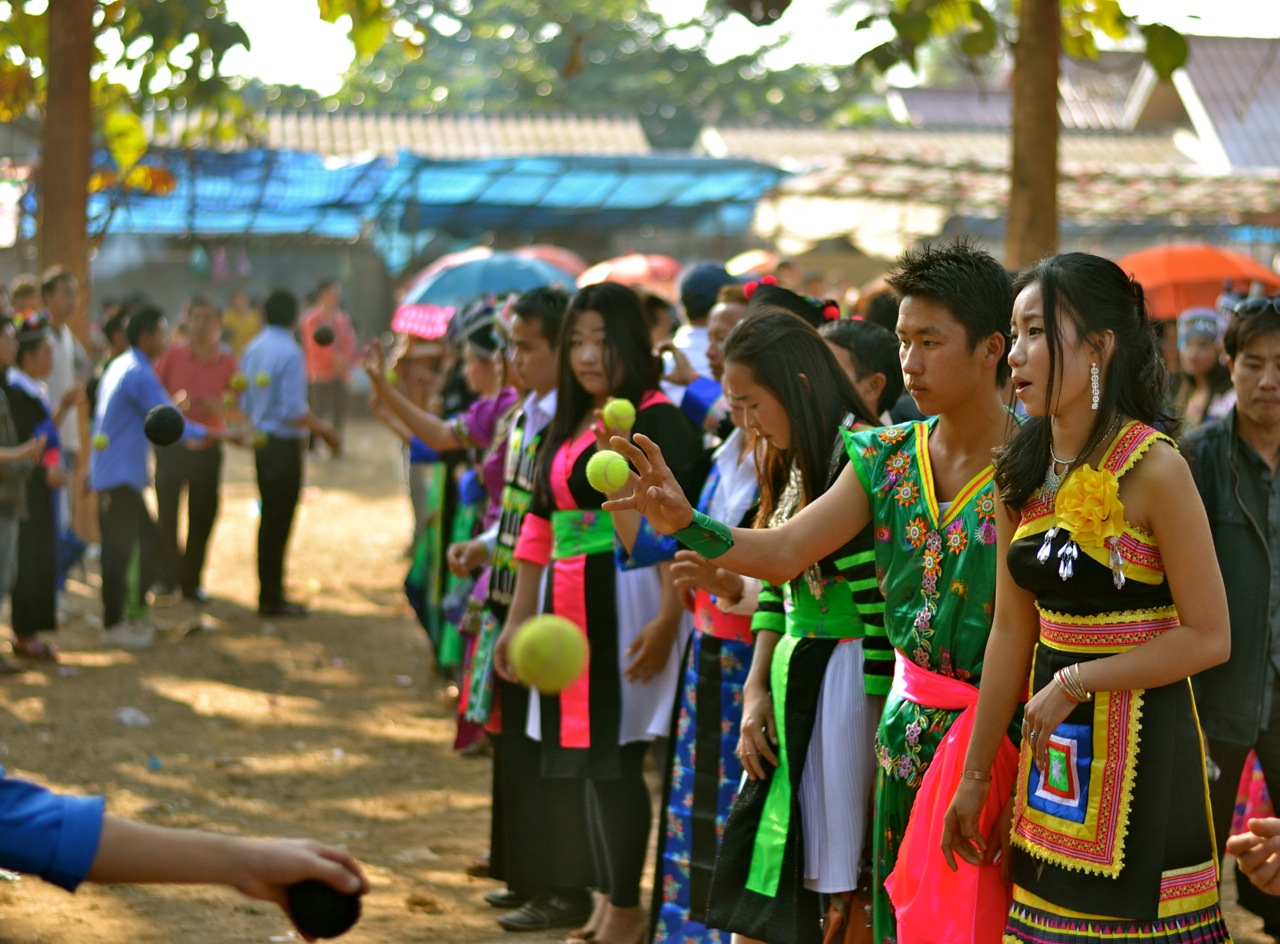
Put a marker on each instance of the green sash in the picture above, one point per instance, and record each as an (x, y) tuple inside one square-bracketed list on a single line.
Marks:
[(578, 531)]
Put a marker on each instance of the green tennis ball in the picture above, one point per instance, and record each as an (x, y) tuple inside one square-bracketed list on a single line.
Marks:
[(239, 382), (619, 414), (549, 653), (607, 471), (262, 378), (259, 440), (228, 399), (101, 441), (393, 376)]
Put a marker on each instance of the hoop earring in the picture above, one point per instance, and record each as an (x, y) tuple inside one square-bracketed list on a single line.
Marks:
[(1095, 386)]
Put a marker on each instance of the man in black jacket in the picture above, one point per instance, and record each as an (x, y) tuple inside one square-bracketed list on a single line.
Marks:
[(1235, 460)]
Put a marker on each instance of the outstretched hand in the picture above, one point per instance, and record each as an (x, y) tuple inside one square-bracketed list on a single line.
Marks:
[(655, 493)]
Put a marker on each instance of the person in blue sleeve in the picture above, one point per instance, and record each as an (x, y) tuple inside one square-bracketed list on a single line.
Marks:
[(67, 840), (119, 473), (276, 403)]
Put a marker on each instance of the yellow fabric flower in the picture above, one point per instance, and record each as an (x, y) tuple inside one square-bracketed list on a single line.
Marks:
[(1088, 505)]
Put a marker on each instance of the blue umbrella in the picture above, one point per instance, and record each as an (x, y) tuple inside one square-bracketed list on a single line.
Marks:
[(497, 275)]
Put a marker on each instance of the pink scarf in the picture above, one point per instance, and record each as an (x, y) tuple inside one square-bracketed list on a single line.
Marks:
[(933, 904)]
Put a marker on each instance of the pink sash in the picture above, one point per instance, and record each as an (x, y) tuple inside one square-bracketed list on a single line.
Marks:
[(933, 904)]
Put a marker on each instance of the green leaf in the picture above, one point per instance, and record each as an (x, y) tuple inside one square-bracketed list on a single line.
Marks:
[(1167, 49)]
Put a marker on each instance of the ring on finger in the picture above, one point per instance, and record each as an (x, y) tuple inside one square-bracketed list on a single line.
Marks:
[(1033, 735)]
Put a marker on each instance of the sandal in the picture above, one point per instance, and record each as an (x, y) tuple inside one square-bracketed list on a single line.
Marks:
[(35, 648)]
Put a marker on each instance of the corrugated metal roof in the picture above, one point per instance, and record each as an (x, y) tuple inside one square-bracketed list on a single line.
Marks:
[(1238, 82), (800, 146), (350, 132)]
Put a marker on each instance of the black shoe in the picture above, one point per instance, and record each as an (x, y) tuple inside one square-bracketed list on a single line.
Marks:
[(285, 609), (505, 899), (547, 911)]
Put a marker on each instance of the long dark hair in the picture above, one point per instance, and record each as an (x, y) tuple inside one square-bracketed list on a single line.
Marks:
[(630, 363), (1095, 295), (789, 358)]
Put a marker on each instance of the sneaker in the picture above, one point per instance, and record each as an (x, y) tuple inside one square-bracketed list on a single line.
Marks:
[(131, 636)]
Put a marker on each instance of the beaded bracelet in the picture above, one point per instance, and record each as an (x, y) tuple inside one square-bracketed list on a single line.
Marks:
[(705, 535)]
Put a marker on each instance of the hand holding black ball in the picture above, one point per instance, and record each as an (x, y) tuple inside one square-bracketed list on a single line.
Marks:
[(323, 335), (164, 425), (320, 910)]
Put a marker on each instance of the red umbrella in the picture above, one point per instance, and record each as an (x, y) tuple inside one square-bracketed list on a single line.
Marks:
[(635, 269), (1187, 275)]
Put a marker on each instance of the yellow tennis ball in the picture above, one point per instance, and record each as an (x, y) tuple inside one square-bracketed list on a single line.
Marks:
[(239, 382), (393, 376), (618, 413), (549, 653), (607, 471), (101, 441), (262, 378)]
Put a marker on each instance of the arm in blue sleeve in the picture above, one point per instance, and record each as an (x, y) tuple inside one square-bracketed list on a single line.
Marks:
[(45, 834), (293, 387), (149, 393), (699, 397)]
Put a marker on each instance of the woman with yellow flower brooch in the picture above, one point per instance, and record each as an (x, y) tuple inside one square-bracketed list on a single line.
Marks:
[(1104, 599)]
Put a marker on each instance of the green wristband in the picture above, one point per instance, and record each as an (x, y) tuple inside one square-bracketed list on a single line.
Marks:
[(705, 535)]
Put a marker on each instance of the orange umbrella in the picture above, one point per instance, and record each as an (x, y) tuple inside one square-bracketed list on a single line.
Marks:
[(753, 262), (1185, 275), (635, 269)]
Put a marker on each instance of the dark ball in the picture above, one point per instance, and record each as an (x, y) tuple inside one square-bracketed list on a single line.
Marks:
[(164, 425), (320, 910), (322, 335)]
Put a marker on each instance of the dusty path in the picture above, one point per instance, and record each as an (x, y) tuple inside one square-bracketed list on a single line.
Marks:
[(331, 727)]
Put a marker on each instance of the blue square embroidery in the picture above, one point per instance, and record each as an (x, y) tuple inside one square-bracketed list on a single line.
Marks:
[(1063, 789)]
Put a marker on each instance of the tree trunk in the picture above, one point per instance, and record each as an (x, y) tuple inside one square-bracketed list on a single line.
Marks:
[(65, 149), (1033, 175)]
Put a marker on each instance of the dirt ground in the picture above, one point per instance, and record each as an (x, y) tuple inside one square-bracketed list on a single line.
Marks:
[(332, 727)]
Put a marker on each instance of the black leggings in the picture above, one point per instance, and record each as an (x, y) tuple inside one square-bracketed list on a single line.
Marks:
[(619, 815)]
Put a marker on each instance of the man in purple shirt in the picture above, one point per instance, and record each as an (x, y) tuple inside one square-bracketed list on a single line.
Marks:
[(119, 473)]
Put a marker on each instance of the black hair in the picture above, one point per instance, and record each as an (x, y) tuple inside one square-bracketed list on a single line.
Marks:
[(873, 350), (1095, 295), (1240, 331), (788, 357), (29, 343), (546, 304), (52, 277), (882, 309), (654, 306), (767, 294), (143, 322), (280, 309), (116, 324), (965, 280), (629, 362)]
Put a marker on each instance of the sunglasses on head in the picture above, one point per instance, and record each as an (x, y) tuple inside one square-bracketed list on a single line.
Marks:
[(1252, 307)]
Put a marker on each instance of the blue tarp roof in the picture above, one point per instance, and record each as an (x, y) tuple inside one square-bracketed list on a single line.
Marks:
[(394, 199)]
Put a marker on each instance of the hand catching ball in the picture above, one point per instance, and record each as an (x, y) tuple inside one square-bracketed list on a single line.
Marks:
[(323, 335), (607, 471), (549, 653), (320, 910), (164, 425), (618, 414)]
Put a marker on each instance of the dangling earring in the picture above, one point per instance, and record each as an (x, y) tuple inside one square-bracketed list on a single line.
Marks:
[(1095, 386)]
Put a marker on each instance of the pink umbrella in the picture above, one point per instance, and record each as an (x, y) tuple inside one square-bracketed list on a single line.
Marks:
[(563, 259), (635, 269)]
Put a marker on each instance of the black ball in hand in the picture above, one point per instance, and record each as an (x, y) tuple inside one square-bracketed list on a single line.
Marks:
[(164, 425), (323, 335), (320, 910)]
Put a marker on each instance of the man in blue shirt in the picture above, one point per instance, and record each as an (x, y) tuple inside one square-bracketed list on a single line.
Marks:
[(119, 473), (67, 840), (276, 403)]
